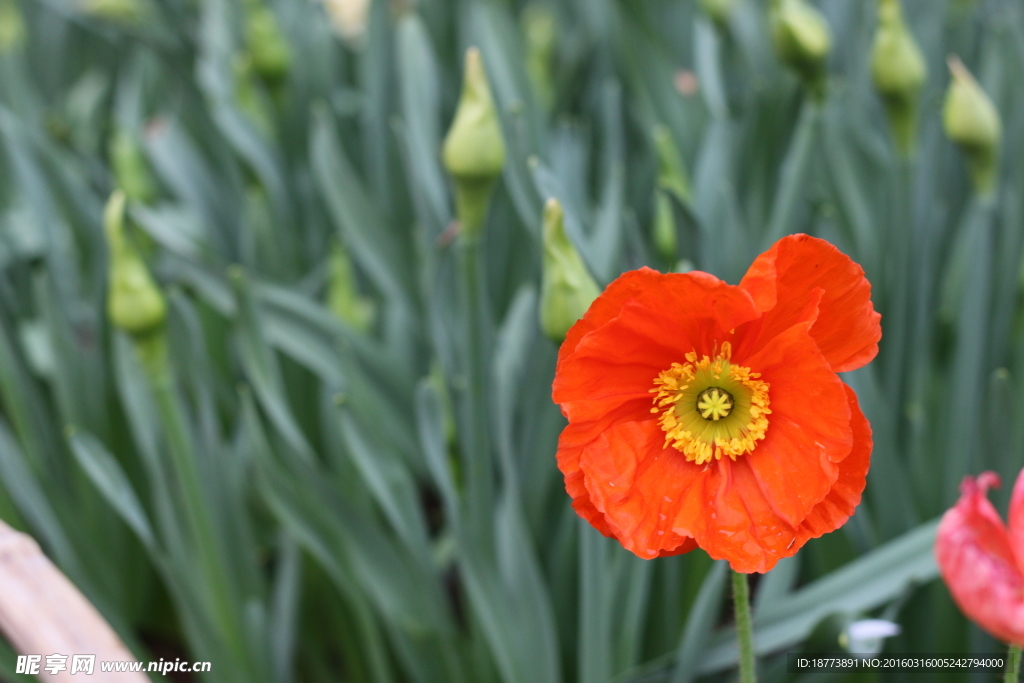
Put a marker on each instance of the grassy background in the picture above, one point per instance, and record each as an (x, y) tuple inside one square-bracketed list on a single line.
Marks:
[(295, 500)]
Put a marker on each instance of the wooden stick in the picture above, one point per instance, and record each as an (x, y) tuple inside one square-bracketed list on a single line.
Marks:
[(43, 613)]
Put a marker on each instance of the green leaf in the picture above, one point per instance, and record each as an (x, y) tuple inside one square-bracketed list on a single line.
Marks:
[(796, 177), (106, 474), (359, 222), (430, 422), (595, 617), (348, 542), (418, 71), (391, 484), (700, 623), (27, 492), (263, 371)]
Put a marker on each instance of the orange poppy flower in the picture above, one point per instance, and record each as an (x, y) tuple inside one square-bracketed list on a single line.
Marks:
[(982, 561), (703, 414)]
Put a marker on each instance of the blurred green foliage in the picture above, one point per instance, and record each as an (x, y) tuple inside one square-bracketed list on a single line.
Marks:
[(335, 460)]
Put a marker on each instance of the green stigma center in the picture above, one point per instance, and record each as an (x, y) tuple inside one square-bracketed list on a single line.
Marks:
[(710, 407), (714, 403)]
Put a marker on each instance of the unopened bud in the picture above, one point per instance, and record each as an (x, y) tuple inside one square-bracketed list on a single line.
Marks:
[(267, 47), (672, 180), (899, 72), (131, 170), (962, 7), (540, 31), (972, 122), (343, 295), (474, 150), (718, 10), (349, 18), (134, 302), (567, 289), (802, 40), (664, 225), (437, 381), (250, 98), (671, 171), (122, 11), (12, 26)]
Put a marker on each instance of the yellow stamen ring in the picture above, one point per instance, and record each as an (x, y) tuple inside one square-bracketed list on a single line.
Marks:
[(710, 407)]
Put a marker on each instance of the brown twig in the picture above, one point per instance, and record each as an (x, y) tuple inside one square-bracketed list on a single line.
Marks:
[(43, 613)]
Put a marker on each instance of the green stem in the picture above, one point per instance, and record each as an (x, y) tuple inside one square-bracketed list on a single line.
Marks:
[(744, 627), (218, 588), (1013, 665), (796, 169), (476, 455), (969, 304), (898, 275)]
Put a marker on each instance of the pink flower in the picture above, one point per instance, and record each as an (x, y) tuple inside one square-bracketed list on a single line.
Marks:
[(982, 560)]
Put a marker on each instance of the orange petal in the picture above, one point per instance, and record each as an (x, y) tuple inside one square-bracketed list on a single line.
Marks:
[(688, 544), (780, 281), (627, 286), (808, 428), (618, 362), (731, 519), (570, 446), (657, 503), (844, 497), (609, 374), (682, 296), (637, 485), (974, 556)]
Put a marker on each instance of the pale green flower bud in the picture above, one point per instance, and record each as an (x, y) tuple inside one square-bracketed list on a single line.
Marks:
[(343, 296), (451, 435), (567, 289), (672, 179), (268, 50), (474, 150), (684, 265), (134, 302), (718, 10), (349, 19), (122, 11), (671, 170), (540, 31), (131, 170), (12, 26), (250, 98), (802, 40), (899, 72), (962, 8), (972, 122), (664, 225)]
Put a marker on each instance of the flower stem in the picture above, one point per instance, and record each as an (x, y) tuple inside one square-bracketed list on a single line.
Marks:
[(216, 585), (475, 442), (1013, 664), (796, 171), (744, 627)]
